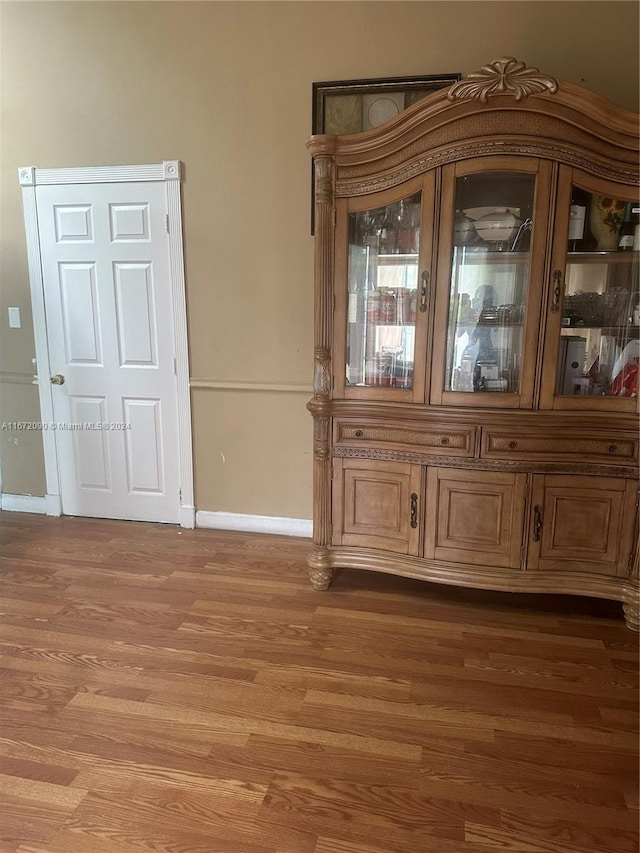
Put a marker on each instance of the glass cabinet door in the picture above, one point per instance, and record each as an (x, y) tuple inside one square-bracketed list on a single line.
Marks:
[(489, 286), (598, 301), (382, 284)]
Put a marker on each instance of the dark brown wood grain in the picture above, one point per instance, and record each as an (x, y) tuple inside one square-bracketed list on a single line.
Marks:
[(186, 691)]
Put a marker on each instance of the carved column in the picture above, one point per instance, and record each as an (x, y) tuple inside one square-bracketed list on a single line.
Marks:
[(320, 572), (631, 596)]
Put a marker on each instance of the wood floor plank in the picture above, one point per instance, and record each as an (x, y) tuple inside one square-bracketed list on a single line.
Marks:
[(492, 839), (32, 810), (187, 691), (278, 754), (619, 837), (179, 820), (35, 771), (59, 796), (365, 812), (66, 841), (552, 803), (335, 681), (442, 764), (335, 845)]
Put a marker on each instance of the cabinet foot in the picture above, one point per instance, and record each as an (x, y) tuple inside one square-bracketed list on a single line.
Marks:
[(631, 607), (320, 572), (320, 578)]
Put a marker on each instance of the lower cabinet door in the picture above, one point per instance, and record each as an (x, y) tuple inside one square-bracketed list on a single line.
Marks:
[(582, 523), (377, 505), (475, 517)]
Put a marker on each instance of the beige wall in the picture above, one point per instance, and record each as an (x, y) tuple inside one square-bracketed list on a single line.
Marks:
[(226, 88)]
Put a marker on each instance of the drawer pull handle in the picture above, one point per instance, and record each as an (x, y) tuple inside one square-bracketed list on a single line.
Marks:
[(513, 445), (613, 448), (414, 510), (358, 433), (537, 522), (444, 440)]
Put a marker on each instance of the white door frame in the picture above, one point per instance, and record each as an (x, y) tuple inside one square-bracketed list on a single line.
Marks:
[(170, 172)]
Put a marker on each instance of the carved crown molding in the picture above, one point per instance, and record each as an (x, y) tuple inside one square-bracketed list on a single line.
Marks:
[(349, 186), (504, 76)]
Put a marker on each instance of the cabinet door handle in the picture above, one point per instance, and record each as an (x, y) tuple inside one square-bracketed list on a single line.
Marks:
[(424, 291), (414, 510), (557, 291), (537, 522)]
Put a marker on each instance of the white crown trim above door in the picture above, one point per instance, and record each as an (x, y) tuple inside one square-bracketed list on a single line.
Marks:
[(170, 173)]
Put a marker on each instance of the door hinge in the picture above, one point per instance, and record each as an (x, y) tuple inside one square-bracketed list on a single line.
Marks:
[(175, 367), (166, 222)]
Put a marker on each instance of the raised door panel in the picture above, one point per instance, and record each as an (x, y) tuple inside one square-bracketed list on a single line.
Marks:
[(582, 524), (475, 517), (377, 505)]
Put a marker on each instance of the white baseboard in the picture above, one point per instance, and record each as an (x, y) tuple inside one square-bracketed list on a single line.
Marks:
[(50, 505), (24, 503), (54, 505), (187, 517), (255, 523)]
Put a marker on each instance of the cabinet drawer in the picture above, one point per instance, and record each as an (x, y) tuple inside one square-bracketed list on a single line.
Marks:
[(569, 447), (439, 439)]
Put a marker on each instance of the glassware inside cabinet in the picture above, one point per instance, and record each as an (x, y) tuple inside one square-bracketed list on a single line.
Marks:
[(600, 334), (382, 294), (489, 282)]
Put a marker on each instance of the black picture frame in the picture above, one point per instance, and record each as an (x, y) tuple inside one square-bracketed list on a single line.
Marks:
[(352, 106)]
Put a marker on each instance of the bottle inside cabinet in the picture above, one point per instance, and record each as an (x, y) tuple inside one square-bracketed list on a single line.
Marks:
[(629, 234), (580, 237), (489, 282), (382, 282)]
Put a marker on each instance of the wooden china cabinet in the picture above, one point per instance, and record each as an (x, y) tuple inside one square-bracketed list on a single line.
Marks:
[(476, 341)]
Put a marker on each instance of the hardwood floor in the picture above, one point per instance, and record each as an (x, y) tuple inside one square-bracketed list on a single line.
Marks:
[(188, 692)]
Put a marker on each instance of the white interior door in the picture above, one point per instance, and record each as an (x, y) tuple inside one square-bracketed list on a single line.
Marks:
[(106, 277)]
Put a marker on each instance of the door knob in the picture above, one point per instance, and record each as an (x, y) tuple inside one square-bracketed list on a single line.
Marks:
[(58, 379)]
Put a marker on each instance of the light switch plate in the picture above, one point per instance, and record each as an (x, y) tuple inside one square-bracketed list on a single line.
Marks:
[(14, 318)]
